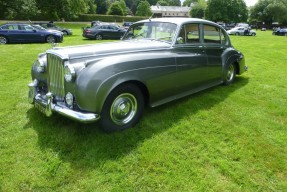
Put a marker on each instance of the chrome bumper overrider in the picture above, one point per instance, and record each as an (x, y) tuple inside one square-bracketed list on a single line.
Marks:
[(44, 103)]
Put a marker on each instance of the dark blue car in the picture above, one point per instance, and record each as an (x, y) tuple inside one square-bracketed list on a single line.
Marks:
[(23, 33)]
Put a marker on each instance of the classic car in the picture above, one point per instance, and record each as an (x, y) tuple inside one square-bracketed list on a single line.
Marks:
[(113, 82), (24, 33), (51, 25), (241, 31), (104, 31)]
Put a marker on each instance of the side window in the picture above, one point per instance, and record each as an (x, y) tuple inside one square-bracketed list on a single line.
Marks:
[(212, 34), (189, 34), (192, 33), (28, 28), (10, 27)]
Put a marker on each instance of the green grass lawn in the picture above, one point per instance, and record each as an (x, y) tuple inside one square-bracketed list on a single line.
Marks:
[(230, 138)]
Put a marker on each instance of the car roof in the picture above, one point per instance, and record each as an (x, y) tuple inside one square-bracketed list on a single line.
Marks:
[(178, 20)]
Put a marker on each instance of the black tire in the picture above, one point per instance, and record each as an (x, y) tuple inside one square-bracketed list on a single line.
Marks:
[(253, 34), (122, 109), (50, 39), (3, 40), (65, 32), (230, 74), (99, 37)]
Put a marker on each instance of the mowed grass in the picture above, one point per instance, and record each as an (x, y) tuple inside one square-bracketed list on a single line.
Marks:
[(227, 138)]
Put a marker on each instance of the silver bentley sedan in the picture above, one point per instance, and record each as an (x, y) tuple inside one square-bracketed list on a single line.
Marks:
[(157, 61)]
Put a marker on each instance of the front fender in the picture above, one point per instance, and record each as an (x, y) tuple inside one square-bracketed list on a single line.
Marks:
[(97, 80)]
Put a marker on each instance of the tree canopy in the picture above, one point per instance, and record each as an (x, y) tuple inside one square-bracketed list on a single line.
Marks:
[(143, 9), (226, 11), (269, 11)]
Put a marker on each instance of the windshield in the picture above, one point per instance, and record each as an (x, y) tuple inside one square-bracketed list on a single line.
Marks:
[(151, 30)]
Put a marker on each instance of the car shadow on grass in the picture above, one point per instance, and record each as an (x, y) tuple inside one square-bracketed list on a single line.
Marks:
[(84, 146)]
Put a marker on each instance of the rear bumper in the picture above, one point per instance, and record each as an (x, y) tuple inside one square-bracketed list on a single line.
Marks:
[(44, 103)]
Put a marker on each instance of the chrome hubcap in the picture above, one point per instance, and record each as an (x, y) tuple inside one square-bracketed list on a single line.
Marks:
[(3, 40), (123, 109), (51, 39), (230, 73)]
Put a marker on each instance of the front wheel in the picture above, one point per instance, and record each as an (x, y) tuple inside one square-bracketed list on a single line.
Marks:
[(50, 39), (122, 108), (230, 74)]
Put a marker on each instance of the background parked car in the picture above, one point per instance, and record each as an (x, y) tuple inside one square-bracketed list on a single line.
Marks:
[(241, 31), (65, 31), (18, 32), (126, 25), (39, 27), (104, 32), (281, 32)]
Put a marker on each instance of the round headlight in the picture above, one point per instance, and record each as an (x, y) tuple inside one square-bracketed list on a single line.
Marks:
[(40, 66), (69, 99), (69, 73)]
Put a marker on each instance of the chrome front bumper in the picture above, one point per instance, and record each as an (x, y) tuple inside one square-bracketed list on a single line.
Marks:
[(44, 103)]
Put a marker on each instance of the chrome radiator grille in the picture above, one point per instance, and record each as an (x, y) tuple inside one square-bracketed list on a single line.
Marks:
[(55, 66)]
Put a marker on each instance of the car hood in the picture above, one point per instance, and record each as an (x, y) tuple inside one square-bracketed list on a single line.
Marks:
[(103, 49)]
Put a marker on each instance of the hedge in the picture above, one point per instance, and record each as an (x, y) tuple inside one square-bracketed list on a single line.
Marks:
[(108, 18)]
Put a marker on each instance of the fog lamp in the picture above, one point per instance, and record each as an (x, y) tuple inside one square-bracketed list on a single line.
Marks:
[(69, 99)]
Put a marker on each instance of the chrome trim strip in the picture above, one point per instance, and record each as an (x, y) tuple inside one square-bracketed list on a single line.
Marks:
[(45, 104)]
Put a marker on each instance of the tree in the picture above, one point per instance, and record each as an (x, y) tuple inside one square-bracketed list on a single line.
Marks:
[(226, 10), (269, 11), (123, 6), (162, 3), (174, 2), (115, 9), (143, 9), (21, 8), (198, 10), (187, 3), (102, 6)]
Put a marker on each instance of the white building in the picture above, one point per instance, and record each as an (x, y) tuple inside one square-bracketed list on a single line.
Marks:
[(170, 11)]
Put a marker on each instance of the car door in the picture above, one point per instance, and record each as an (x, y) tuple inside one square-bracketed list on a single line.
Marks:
[(116, 32), (13, 32), (214, 41), (191, 59), (30, 34)]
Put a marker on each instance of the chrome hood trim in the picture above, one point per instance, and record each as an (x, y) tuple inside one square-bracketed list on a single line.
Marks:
[(102, 49)]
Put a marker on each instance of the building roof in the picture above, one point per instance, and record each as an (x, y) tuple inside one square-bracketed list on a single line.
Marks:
[(157, 8)]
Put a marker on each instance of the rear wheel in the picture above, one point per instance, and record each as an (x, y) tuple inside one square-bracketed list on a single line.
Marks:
[(230, 74), (3, 40), (122, 109), (99, 37), (237, 34), (65, 32), (50, 39)]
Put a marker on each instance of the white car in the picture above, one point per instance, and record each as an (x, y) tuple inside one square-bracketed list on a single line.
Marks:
[(241, 31)]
